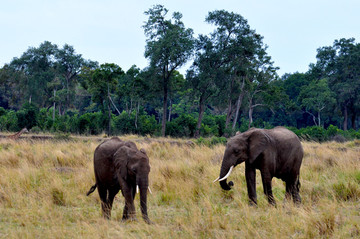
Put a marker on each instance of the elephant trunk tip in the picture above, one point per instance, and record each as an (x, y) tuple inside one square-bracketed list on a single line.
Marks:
[(226, 186)]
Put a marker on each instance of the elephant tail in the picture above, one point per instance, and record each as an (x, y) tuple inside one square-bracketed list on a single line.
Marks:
[(92, 189)]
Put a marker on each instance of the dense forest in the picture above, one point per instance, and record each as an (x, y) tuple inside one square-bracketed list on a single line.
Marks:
[(231, 85)]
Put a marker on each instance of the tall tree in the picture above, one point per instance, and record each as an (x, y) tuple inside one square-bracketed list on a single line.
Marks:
[(340, 63), (36, 66), (241, 48), (316, 98), (169, 45), (203, 75), (69, 66), (102, 84)]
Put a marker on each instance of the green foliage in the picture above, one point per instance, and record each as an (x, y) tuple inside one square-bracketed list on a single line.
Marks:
[(91, 123), (183, 126), (211, 141), (27, 116)]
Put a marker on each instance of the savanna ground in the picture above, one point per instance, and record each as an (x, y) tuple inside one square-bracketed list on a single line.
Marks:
[(43, 187)]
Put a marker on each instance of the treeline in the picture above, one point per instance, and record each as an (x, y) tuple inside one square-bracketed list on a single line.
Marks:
[(231, 85)]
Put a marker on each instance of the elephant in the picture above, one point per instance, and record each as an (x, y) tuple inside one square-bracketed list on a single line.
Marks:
[(119, 165), (275, 152)]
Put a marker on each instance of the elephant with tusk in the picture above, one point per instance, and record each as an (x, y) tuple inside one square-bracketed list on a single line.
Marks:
[(119, 165), (275, 152)]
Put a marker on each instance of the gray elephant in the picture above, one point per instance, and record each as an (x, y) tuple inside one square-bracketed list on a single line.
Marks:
[(275, 152), (119, 165)]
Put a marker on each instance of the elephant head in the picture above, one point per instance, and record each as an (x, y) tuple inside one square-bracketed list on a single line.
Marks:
[(242, 147), (132, 165)]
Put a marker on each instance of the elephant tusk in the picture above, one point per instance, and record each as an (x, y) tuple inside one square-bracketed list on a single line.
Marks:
[(216, 179), (149, 190), (227, 175), (137, 188)]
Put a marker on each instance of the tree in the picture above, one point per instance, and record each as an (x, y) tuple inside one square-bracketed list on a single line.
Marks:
[(315, 98), (133, 90), (169, 45), (34, 69), (102, 84), (203, 75), (340, 64), (241, 51), (69, 66)]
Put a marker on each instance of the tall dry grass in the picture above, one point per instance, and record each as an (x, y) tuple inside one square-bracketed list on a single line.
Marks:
[(43, 186)]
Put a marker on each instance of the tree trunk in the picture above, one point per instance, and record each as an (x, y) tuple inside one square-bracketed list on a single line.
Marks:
[(201, 114), (345, 123), (136, 115), (238, 104), (251, 109), (170, 110), (353, 120), (109, 125), (229, 114), (112, 102), (53, 116), (109, 110), (163, 127), (319, 121)]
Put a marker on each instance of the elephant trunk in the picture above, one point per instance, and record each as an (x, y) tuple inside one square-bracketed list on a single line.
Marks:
[(225, 172), (143, 186)]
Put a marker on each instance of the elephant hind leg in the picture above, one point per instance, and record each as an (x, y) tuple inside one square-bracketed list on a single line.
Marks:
[(295, 193), (292, 190), (266, 180), (105, 207)]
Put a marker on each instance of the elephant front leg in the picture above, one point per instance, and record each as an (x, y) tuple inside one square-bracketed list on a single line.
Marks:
[(250, 175), (129, 208), (266, 180)]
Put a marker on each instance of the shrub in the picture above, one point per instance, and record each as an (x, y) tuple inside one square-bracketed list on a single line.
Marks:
[(211, 141), (315, 133), (27, 116), (183, 126)]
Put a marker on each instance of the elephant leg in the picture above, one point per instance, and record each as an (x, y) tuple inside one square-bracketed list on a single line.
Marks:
[(266, 180), (104, 202), (292, 190), (250, 175), (129, 208), (110, 199), (288, 191), (295, 193)]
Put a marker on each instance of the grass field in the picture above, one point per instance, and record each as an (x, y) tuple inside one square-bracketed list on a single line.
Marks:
[(43, 187)]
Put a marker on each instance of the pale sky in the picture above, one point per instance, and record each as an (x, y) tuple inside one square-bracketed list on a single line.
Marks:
[(110, 31)]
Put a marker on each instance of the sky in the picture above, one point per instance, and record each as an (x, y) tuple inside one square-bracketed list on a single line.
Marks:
[(110, 31)]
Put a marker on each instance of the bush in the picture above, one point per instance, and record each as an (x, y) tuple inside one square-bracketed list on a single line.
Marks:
[(148, 125), (35, 130), (315, 133), (211, 141), (124, 123), (183, 126), (27, 116), (92, 123)]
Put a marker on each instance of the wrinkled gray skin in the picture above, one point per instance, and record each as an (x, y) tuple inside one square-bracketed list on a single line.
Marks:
[(119, 165), (276, 153)]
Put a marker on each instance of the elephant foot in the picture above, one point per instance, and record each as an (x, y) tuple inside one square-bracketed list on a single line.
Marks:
[(129, 219), (148, 221), (252, 203)]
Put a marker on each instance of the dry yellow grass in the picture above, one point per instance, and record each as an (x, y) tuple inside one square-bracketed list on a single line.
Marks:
[(43, 187)]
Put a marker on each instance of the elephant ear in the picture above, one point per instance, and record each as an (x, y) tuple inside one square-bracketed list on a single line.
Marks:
[(258, 142), (121, 161)]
